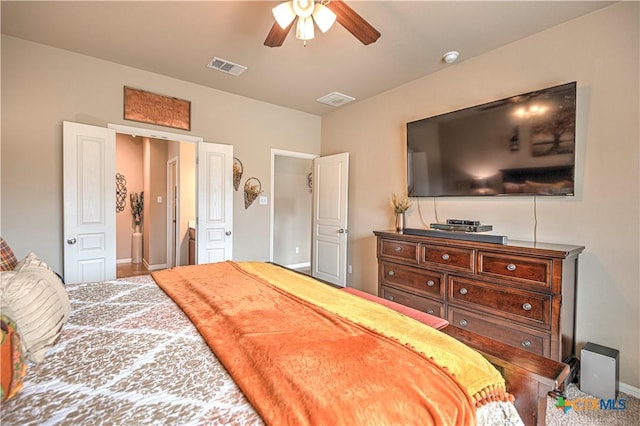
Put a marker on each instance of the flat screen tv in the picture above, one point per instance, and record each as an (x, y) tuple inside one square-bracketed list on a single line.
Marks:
[(523, 145)]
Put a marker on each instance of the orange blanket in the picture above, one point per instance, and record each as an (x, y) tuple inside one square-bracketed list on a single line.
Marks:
[(298, 363)]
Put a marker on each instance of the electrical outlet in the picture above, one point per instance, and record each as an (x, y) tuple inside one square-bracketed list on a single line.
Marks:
[(297, 250), (262, 200), (349, 269)]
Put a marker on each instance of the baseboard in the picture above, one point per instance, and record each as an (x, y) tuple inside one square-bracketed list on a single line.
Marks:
[(155, 267), (629, 390), (298, 265), (119, 261)]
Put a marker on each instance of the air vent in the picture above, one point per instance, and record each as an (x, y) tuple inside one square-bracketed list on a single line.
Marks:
[(226, 66), (335, 99)]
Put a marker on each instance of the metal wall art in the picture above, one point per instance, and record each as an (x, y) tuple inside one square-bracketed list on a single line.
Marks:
[(148, 107), (252, 188), (121, 192)]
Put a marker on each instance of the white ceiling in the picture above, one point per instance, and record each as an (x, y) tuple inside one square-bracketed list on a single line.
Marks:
[(179, 39)]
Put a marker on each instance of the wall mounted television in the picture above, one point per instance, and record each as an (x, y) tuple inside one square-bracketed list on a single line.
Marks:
[(523, 145)]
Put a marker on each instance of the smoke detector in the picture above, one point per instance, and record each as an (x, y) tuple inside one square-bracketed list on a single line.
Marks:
[(450, 57), (335, 99), (226, 66)]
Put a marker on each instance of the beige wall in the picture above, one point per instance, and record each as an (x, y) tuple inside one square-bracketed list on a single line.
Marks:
[(601, 52), (154, 223), (292, 211), (42, 86)]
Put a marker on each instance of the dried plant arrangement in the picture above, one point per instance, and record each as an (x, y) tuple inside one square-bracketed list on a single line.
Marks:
[(252, 188), (238, 169), (400, 203), (137, 204)]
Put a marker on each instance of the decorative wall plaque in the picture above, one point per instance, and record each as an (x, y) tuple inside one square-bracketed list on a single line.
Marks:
[(148, 107)]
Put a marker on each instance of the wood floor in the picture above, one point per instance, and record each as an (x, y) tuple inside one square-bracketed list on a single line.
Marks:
[(124, 270)]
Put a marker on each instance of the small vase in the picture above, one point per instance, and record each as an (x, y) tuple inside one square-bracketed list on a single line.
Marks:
[(399, 222)]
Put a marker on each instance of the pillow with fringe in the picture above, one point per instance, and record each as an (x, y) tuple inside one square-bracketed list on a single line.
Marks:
[(35, 298)]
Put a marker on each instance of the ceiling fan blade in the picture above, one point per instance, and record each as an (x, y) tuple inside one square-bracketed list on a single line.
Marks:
[(276, 36), (353, 22)]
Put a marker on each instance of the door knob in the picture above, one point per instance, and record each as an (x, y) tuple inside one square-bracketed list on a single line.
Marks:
[(71, 241), (227, 233), (341, 231)]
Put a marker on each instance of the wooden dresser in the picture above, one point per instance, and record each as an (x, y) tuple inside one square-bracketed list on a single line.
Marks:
[(519, 293)]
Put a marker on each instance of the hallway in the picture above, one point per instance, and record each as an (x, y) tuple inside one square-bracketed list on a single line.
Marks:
[(124, 270)]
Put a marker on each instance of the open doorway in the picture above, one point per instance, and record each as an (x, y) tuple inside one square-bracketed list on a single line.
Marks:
[(292, 209), (165, 172)]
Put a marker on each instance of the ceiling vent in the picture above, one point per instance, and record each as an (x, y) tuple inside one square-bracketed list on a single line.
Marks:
[(226, 66), (335, 99)]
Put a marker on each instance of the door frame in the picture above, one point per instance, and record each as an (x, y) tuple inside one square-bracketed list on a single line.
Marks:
[(283, 153), (157, 134), (173, 181)]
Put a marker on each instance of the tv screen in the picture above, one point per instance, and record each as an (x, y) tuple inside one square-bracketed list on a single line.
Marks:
[(522, 145)]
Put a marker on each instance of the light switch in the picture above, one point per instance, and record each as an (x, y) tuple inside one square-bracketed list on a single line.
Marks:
[(263, 200), (159, 199)]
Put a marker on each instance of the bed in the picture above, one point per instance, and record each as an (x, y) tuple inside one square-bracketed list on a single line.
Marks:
[(218, 344)]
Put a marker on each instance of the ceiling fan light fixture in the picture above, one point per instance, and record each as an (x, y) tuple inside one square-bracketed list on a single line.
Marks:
[(284, 14), (304, 28), (303, 8), (324, 17)]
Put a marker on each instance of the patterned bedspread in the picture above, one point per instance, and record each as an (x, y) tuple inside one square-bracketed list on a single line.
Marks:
[(129, 355)]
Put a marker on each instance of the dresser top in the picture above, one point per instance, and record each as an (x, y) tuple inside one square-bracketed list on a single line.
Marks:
[(563, 250)]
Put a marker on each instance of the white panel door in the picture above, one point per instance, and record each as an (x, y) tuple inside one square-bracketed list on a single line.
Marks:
[(89, 203), (330, 209), (214, 240)]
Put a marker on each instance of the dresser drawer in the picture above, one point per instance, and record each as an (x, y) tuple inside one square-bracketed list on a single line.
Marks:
[(524, 269), (516, 305), (399, 250), (420, 303), (413, 279), (449, 257), (531, 340)]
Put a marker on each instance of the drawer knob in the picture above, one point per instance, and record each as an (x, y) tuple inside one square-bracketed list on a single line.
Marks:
[(526, 306), (430, 311), (463, 322), (398, 248), (463, 291), (390, 298), (445, 256), (391, 273), (526, 343), (431, 283), (511, 267)]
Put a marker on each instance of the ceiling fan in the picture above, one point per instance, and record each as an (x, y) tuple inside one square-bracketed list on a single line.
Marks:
[(324, 13)]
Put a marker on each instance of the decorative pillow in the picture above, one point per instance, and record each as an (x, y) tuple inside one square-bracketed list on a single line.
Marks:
[(29, 260), (13, 367), (8, 259), (35, 298)]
